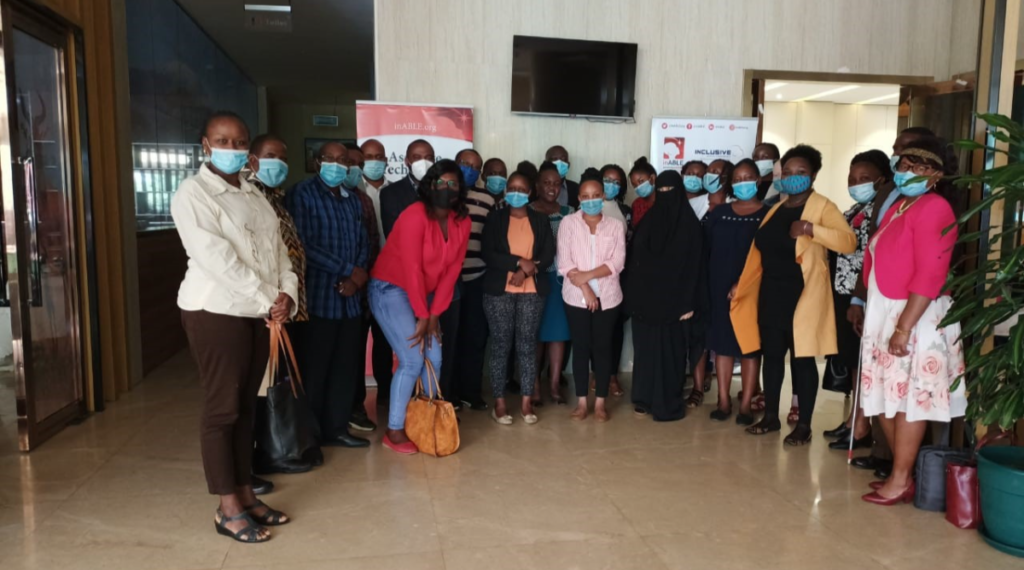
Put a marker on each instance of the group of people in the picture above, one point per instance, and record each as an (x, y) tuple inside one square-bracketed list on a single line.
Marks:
[(722, 262)]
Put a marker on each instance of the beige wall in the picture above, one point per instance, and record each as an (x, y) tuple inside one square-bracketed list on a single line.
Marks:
[(692, 55), (966, 22), (838, 131), (293, 122)]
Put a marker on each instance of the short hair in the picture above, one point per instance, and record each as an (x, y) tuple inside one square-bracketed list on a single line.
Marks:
[(546, 165), (472, 150), (592, 174), (806, 152), (622, 174), (691, 163), (416, 142), (643, 166), (726, 177), (434, 173), (526, 176), (747, 163), (490, 161), (528, 169), (218, 115), (773, 146), (257, 143), (920, 131), (556, 147), (875, 158)]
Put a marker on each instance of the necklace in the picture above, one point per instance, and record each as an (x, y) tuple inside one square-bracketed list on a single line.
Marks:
[(906, 206)]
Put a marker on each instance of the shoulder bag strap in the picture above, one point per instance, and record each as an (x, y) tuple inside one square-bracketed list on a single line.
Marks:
[(285, 346)]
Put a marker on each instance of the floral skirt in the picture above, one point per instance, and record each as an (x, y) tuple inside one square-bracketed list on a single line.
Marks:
[(917, 384)]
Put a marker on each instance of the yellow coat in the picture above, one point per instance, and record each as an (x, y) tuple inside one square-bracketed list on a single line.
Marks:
[(814, 323)]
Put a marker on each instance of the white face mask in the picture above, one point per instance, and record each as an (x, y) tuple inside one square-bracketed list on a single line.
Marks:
[(420, 168), (765, 166)]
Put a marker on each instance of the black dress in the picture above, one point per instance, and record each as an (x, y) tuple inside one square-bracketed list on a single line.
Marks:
[(782, 280), (728, 236)]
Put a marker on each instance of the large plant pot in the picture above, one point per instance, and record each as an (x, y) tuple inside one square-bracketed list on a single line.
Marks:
[(1001, 479)]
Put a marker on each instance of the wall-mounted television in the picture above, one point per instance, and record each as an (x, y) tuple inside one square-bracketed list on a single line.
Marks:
[(573, 78)]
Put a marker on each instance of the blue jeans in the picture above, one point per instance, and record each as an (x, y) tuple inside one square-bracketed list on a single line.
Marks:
[(391, 308)]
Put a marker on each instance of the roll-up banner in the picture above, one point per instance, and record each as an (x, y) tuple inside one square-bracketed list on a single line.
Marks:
[(678, 140)]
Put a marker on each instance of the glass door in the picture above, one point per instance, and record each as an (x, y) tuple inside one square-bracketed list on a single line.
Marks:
[(39, 215)]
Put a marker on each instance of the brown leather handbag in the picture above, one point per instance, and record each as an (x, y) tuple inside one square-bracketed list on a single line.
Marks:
[(430, 421)]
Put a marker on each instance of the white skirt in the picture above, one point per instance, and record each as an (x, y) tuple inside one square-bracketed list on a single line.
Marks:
[(916, 384)]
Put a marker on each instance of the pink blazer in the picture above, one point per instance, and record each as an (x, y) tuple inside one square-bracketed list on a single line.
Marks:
[(911, 253)]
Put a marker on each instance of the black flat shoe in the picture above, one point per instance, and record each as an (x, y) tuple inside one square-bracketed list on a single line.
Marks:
[(800, 436), (346, 440), (250, 533), (844, 443), (314, 456), (765, 426), (838, 433), (744, 419), (884, 472), (870, 463), (361, 423), (476, 406), (288, 467), (270, 517), (720, 415), (261, 486)]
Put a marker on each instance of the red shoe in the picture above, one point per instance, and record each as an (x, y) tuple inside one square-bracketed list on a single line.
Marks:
[(407, 448), (876, 485), (905, 497)]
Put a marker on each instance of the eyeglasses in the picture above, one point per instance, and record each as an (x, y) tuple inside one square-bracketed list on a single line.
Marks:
[(916, 169), (450, 184)]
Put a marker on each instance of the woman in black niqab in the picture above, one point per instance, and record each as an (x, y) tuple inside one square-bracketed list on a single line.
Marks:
[(661, 296)]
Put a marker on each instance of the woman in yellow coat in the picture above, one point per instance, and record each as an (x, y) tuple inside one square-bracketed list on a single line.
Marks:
[(783, 301)]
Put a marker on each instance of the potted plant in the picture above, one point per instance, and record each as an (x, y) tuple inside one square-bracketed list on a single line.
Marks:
[(989, 295)]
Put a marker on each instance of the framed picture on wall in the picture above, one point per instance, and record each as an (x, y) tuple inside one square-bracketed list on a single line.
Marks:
[(313, 150)]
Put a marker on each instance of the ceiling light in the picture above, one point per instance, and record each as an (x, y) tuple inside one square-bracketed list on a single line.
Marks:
[(835, 91), (878, 99), (267, 8), (775, 85)]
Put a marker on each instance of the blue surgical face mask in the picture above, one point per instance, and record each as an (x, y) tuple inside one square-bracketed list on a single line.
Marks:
[(592, 207), (517, 199), (272, 172), (644, 190), (228, 161), (793, 185), (744, 190), (611, 190), (355, 174), (374, 169), (894, 161), (563, 168), (496, 184), (470, 175), (692, 184), (907, 188), (712, 183), (863, 193), (333, 174), (765, 167)]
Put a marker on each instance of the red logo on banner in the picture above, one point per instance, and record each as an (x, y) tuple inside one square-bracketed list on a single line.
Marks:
[(373, 120), (674, 147), (732, 127), (689, 125), (664, 126), (711, 127)]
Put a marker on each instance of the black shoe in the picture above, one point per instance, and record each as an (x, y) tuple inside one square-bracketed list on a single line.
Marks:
[(456, 405), (870, 463), (884, 471), (345, 440), (477, 406), (744, 419), (287, 467), (838, 433), (720, 415), (261, 486), (314, 456), (640, 411), (361, 423), (844, 443)]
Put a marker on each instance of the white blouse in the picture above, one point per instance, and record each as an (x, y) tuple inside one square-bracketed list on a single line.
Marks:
[(237, 261)]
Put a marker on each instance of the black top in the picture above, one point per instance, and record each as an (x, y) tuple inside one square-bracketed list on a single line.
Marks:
[(499, 259), (394, 199), (782, 280), (572, 189)]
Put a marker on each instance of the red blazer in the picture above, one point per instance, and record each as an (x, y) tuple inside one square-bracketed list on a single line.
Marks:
[(417, 258), (911, 253)]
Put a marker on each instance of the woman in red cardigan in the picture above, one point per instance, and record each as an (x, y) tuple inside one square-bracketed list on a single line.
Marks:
[(413, 283), (909, 363)]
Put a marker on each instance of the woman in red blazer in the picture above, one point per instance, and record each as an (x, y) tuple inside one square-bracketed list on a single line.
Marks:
[(909, 363)]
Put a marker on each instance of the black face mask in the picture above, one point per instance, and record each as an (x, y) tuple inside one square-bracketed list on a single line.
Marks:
[(444, 198)]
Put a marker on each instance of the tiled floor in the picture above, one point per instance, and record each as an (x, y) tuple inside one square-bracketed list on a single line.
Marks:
[(125, 490)]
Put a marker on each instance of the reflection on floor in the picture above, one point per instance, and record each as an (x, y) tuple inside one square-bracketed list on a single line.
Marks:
[(125, 490)]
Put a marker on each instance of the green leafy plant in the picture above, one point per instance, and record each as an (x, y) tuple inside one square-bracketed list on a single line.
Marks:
[(994, 291)]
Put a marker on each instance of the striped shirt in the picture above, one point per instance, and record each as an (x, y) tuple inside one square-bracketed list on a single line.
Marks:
[(480, 204), (576, 250), (332, 231)]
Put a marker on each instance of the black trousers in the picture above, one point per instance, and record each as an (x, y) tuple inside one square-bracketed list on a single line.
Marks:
[(449, 349), (775, 343), (592, 343), (473, 335), (328, 354), (383, 362)]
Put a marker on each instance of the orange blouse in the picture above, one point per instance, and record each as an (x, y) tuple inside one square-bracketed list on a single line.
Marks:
[(520, 244)]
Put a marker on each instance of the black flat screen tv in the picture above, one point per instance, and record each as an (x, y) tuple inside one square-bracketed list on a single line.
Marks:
[(573, 78)]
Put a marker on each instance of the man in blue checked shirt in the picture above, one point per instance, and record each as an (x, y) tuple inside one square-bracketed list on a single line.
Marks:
[(329, 220)]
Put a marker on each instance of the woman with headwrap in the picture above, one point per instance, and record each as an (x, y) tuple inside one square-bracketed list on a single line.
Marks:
[(663, 273)]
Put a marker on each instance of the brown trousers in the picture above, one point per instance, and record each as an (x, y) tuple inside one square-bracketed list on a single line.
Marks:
[(232, 354)]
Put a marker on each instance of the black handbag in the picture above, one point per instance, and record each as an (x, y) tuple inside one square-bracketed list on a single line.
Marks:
[(837, 376), (282, 431)]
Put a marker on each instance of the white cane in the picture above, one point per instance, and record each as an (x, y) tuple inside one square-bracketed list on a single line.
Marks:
[(856, 400)]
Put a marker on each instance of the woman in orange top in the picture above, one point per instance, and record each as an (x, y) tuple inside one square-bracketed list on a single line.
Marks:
[(783, 301), (517, 245)]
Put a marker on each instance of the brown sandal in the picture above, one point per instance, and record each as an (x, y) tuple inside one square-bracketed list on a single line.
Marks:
[(696, 398)]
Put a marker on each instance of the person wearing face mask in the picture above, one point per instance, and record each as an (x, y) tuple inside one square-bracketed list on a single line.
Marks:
[(661, 296), (702, 185), (909, 363), (398, 196), (519, 248), (642, 176), (869, 171), (694, 178), (783, 301), (614, 179), (238, 283), (766, 155), (413, 284), (473, 331), (570, 195), (495, 178), (329, 220), (591, 255), (718, 179), (728, 232)]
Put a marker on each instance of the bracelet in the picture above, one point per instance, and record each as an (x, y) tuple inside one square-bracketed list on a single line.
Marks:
[(805, 227), (901, 331)]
